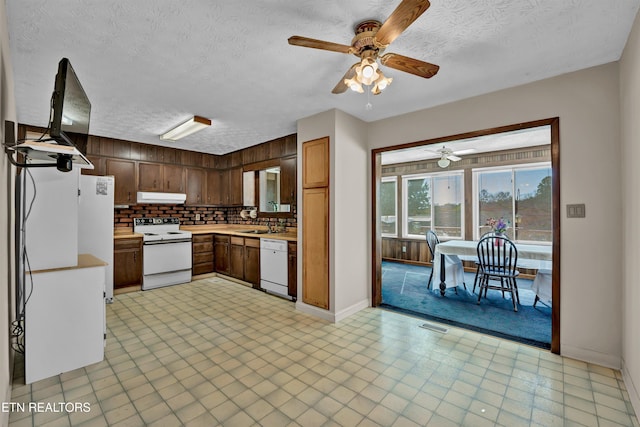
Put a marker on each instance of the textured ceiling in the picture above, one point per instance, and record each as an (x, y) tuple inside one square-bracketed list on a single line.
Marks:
[(149, 65)]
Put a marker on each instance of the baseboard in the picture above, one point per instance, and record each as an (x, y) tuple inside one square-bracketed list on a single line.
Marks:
[(343, 314), (631, 388), (315, 311), (590, 356)]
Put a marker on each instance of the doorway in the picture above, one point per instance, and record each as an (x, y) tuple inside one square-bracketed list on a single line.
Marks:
[(476, 159)]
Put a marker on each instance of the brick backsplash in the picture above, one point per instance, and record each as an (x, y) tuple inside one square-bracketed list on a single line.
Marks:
[(123, 217)]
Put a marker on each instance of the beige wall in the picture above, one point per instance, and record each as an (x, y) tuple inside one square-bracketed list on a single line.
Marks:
[(587, 104), (7, 112), (630, 136)]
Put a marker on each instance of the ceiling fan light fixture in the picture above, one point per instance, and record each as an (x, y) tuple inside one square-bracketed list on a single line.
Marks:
[(444, 162), (382, 83), (194, 124), (367, 71), (354, 84)]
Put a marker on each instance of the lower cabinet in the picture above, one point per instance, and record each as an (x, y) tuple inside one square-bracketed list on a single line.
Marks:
[(245, 259), (127, 262), (292, 283), (221, 253), (202, 253)]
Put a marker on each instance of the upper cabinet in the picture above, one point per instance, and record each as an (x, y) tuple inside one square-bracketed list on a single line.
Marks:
[(124, 172), (315, 157), (196, 182), (150, 177), (288, 181), (173, 179), (235, 186)]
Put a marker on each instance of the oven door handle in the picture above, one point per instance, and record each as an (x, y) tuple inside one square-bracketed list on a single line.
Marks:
[(166, 242)]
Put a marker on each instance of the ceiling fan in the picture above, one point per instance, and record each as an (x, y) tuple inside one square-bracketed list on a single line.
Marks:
[(447, 156), (371, 39)]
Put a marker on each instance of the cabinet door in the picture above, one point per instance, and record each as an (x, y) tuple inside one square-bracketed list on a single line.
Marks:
[(195, 186), (315, 247), (202, 254), (127, 262), (221, 254), (235, 186), (149, 177), (124, 172), (288, 181), (292, 248), (213, 187), (236, 260), (252, 261), (173, 179), (315, 163)]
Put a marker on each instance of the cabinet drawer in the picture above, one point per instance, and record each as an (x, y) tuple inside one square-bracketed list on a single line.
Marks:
[(235, 240), (126, 244), (221, 238), (200, 258), (202, 268), (202, 238), (254, 243), (203, 247)]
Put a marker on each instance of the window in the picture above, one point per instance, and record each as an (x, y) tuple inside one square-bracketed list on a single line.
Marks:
[(521, 195), (389, 206), (433, 202)]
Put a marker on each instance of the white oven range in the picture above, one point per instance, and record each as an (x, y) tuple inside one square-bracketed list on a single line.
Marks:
[(166, 252)]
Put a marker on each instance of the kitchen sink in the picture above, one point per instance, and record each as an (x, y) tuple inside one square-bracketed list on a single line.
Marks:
[(254, 231)]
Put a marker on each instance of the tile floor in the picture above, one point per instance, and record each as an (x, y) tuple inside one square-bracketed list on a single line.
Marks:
[(217, 353)]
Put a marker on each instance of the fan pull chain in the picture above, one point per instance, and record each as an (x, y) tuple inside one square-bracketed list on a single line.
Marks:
[(368, 105)]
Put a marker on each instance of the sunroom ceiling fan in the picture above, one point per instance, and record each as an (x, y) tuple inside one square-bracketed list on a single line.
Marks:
[(447, 156), (371, 39)]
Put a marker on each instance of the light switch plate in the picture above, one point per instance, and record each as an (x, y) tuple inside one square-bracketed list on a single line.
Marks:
[(576, 211)]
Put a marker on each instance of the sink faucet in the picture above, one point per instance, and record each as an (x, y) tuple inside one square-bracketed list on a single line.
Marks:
[(269, 229)]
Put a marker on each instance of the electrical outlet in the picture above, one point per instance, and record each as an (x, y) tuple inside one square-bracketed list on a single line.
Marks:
[(404, 249), (197, 217)]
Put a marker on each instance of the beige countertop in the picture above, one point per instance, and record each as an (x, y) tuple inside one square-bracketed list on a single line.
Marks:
[(125, 233), (243, 230), (84, 261)]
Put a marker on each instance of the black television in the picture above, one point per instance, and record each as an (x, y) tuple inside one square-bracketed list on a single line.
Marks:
[(71, 109)]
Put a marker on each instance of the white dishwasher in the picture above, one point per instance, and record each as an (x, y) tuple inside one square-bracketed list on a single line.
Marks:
[(273, 266)]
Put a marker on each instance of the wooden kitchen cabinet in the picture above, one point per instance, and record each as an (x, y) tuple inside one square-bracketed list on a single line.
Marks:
[(124, 172), (98, 166), (213, 187), (202, 254), (173, 176), (196, 182), (221, 253), (315, 161), (252, 261), (245, 259), (150, 177), (292, 249), (127, 262), (235, 186), (288, 181), (236, 257)]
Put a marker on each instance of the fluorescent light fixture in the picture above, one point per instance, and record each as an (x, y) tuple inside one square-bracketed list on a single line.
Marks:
[(192, 125)]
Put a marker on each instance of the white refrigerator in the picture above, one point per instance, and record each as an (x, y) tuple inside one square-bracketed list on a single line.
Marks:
[(95, 223)]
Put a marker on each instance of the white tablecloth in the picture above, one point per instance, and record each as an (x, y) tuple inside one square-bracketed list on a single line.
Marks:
[(529, 256)]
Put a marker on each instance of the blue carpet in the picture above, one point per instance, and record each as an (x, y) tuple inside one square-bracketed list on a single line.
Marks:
[(404, 288)]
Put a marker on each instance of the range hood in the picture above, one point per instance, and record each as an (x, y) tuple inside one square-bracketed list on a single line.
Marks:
[(166, 198)]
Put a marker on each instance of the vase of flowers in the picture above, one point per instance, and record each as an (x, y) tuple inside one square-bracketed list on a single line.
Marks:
[(499, 228)]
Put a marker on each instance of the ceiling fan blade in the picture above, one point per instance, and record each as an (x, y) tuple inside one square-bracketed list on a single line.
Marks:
[(341, 87), (319, 44), (409, 65), (406, 12), (454, 158)]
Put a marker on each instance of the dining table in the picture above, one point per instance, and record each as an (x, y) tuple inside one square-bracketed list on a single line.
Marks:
[(529, 256)]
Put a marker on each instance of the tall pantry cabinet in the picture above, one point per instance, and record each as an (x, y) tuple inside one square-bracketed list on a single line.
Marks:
[(315, 222)]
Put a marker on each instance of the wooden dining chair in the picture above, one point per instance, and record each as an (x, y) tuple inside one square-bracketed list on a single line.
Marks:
[(498, 257)]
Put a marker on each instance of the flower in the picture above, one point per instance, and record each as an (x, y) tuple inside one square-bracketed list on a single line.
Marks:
[(497, 225)]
